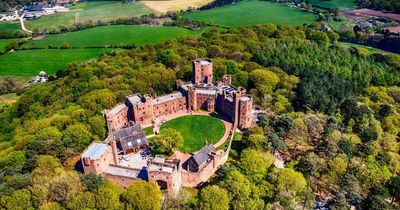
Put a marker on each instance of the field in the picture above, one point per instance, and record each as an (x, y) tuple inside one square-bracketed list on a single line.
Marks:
[(30, 62), (114, 35), (10, 26), (5, 42), (96, 10), (252, 12), (196, 130), (340, 4), (172, 5)]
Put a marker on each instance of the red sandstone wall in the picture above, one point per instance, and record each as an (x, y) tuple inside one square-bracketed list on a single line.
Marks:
[(99, 165), (119, 120), (245, 113), (173, 180), (123, 182), (143, 113), (193, 179), (202, 73), (170, 107)]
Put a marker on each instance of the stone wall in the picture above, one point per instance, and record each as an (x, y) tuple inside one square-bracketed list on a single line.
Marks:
[(99, 165), (170, 107), (118, 119), (173, 180), (194, 179)]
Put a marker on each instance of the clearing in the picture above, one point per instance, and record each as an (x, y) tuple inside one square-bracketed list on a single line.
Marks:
[(196, 130), (173, 5), (31, 62), (252, 12), (96, 10), (116, 35)]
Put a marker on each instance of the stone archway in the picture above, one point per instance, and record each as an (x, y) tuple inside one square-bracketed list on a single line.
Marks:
[(162, 184)]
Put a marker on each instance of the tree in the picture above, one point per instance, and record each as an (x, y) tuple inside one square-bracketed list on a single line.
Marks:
[(142, 195), (213, 197), (168, 140), (20, 200), (107, 196), (82, 200), (243, 194), (77, 137), (92, 181), (256, 163), (291, 181), (393, 186)]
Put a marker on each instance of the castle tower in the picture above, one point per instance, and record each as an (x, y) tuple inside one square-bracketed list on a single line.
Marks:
[(202, 71)]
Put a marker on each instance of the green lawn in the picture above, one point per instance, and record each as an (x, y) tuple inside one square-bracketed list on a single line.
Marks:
[(114, 35), (96, 10), (148, 131), (340, 4), (369, 49), (250, 12), (30, 62), (196, 130)]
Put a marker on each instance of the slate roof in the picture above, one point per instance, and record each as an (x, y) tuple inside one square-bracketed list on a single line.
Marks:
[(130, 137), (202, 156), (168, 97)]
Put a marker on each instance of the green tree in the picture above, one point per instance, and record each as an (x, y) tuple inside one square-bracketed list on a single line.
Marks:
[(291, 181), (256, 163), (20, 200), (77, 136), (168, 140), (142, 195), (213, 197)]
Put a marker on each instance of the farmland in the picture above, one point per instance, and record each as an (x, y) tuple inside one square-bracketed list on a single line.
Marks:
[(239, 14), (172, 5), (30, 62), (340, 4), (114, 35), (96, 10)]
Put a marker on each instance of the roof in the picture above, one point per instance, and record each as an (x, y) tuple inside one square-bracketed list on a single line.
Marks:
[(117, 109), (168, 97), (245, 98), (95, 151), (203, 155), (203, 61), (135, 99), (130, 137), (118, 171)]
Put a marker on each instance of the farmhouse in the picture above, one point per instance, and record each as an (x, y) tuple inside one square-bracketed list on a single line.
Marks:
[(124, 156)]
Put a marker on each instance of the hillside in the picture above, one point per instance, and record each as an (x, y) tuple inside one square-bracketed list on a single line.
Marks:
[(334, 122)]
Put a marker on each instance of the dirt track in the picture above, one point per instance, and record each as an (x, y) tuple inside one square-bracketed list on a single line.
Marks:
[(359, 13)]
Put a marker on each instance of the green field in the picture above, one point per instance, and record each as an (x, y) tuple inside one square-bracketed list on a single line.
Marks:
[(340, 4), (30, 62), (196, 130), (5, 42), (252, 12), (96, 10), (114, 35), (11, 27)]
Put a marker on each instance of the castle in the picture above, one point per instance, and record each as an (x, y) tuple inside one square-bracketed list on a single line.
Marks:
[(201, 93), (125, 122)]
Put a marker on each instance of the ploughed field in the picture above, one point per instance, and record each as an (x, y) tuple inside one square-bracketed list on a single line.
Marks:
[(250, 12), (196, 130)]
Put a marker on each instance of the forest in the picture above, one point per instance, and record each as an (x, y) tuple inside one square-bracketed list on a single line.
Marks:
[(385, 5), (332, 112)]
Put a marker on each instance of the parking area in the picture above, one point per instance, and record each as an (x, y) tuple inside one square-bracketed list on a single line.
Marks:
[(135, 160)]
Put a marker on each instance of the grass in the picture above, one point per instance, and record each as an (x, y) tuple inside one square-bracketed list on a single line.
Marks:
[(369, 49), (252, 12), (96, 10), (5, 42), (9, 98), (196, 130), (10, 27), (148, 131), (340, 4), (29, 62), (114, 35)]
